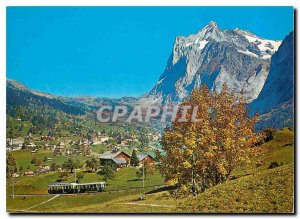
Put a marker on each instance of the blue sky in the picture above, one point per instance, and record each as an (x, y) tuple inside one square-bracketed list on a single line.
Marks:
[(115, 51)]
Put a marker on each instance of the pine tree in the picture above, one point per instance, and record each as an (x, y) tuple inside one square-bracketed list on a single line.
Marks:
[(134, 160)]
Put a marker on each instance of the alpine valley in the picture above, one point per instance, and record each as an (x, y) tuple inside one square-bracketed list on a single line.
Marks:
[(60, 158)]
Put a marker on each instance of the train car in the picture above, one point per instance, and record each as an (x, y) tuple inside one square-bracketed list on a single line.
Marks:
[(68, 188)]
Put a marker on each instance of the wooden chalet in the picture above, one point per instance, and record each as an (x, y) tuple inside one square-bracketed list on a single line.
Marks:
[(145, 158), (118, 158)]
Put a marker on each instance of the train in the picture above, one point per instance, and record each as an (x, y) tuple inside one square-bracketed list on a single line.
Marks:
[(69, 188)]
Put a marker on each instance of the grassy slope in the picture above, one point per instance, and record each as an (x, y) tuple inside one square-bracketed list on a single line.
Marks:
[(32, 185), (269, 191), (114, 202), (22, 203), (280, 149), (72, 203), (265, 191), (159, 202), (24, 157), (125, 178)]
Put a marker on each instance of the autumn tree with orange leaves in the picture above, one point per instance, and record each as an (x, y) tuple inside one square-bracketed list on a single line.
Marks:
[(201, 154)]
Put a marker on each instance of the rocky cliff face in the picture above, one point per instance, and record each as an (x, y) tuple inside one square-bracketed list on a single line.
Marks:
[(276, 100), (279, 87), (214, 56)]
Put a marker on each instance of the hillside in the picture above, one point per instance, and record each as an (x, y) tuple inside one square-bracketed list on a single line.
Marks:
[(270, 191), (18, 95), (281, 116), (267, 190), (279, 150)]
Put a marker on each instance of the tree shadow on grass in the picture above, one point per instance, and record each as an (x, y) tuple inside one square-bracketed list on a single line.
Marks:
[(162, 189), (134, 180)]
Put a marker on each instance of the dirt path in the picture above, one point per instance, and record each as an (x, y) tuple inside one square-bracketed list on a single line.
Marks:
[(42, 202), (28, 209)]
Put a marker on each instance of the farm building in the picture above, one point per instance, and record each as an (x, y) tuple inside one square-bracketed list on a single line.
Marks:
[(76, 187), (15, 142), (145, 158), (57, 152), (70, 152), (15, 175), (46, 138), (47, 147), (16, 147), (119, 158), (61, 145), (29, 173), (100, 140), (31, 145), (43, 169)]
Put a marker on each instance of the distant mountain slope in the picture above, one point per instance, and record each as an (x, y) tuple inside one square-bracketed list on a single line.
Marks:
[(19, 86), (100, 101), (18, 94), (279, 117), (214, 56)]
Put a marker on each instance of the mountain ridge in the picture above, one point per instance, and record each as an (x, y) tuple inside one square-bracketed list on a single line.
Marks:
[(215, 56)]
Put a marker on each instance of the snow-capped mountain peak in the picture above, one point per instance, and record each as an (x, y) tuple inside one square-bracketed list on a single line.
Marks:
[(266, 47), (211, 27), (214, 56)]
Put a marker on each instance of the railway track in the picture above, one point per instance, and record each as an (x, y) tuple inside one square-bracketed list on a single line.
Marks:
[(85, 193)]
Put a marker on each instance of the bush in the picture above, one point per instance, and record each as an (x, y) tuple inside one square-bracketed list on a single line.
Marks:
[(291, 128), (273, 164), (269, 134), (62, 176), (34, 160)]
